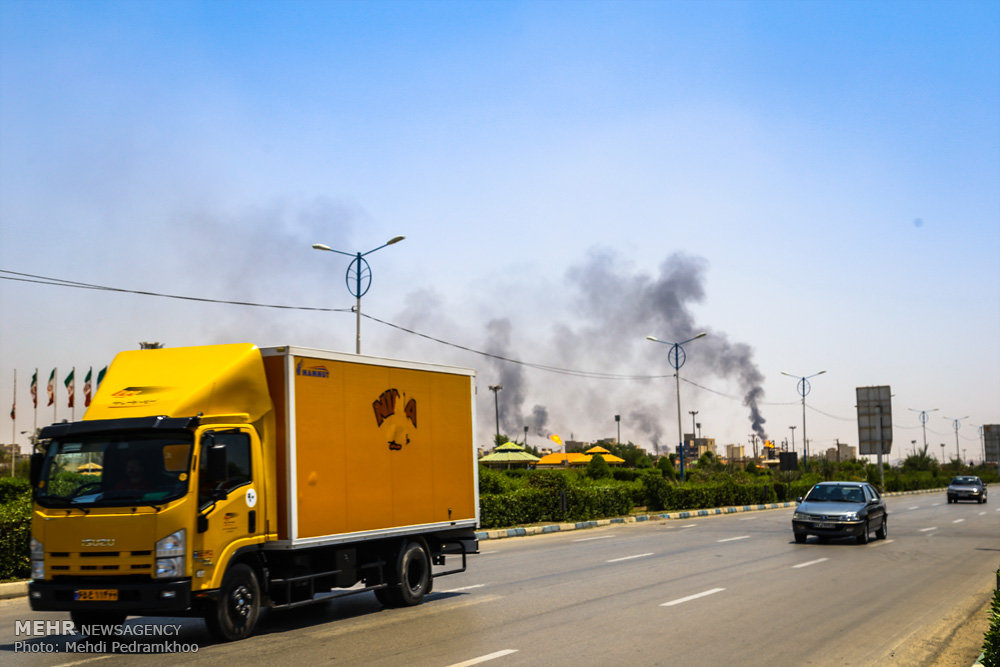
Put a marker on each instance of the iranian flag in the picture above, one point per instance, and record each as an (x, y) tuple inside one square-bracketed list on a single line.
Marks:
[(52, 387), (34, 389), (87, 387), (100, 375), (70, 383)]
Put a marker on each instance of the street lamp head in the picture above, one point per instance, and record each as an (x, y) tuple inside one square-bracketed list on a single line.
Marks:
[(654, 339), (321, 246), (395, 239)]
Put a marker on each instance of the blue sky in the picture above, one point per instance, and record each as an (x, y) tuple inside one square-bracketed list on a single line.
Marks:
[(824, 176)]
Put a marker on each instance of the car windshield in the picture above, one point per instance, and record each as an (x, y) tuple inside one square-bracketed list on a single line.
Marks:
[(117, 470), (836, 494), (965, 480)]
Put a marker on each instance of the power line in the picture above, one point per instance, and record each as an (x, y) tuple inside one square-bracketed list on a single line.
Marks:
[(59, 282), (732, 396), (598, 375), (543, 367)]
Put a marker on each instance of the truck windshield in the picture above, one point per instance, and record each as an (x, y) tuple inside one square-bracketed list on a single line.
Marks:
[(115, 470)]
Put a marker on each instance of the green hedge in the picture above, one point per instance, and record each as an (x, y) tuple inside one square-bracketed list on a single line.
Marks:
[(15, 536), (542, 499), (662, 495), (534, 505), (12, 488)]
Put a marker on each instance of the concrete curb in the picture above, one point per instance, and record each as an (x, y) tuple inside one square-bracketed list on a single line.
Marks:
[(524, 531), (15, 589)]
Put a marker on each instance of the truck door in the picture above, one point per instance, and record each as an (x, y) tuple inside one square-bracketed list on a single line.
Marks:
[(229, 509)]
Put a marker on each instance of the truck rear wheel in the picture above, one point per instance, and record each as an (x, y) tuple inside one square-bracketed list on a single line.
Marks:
[(235, 614), (413, 575)]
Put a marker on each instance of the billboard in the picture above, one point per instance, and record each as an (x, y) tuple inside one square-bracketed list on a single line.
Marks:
[(991, 440), (874, 420)]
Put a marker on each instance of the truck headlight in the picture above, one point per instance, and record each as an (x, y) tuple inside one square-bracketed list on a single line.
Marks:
[(37, 559), (170, 554), (168, 568)]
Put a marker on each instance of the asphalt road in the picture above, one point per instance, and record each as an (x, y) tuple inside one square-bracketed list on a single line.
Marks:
[(731, 589)]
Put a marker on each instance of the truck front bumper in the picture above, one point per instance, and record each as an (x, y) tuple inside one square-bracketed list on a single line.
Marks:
[(138, 598)]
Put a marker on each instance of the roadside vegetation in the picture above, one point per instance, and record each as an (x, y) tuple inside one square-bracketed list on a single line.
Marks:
[(644, 484), (991, 642), (15, 528)]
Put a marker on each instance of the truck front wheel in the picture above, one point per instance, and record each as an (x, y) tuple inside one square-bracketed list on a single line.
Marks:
[(234, 615)]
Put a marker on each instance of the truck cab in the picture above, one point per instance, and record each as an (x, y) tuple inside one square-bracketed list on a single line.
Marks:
[(132, 517)]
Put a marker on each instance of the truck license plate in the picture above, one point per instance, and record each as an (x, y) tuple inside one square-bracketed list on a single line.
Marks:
[(97, 595)]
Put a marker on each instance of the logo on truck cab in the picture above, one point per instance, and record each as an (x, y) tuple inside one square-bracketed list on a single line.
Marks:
[(396, 426)]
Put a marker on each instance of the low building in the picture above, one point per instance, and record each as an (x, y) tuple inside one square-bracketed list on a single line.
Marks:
[(842, 452), (736, 452)]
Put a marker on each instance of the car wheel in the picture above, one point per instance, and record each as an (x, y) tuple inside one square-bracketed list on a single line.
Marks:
[(883, 530), (800, 538), (863, 537)]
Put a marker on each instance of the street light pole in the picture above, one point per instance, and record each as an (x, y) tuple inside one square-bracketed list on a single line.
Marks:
[(495, 388), (803, 387), (793, 437), (618, 421), (957, 422), (923, 421), (358, 271), (677, 357)]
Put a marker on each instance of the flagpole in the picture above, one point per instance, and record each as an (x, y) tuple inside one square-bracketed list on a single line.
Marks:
[(34, 400), (55, 397)]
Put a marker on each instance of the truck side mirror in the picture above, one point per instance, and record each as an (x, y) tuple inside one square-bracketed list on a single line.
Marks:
[(36, 467)]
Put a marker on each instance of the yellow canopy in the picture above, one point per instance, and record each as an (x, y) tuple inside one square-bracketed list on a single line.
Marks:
[(560, 459)]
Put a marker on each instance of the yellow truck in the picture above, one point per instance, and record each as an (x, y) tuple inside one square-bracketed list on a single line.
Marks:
[(214, 481)]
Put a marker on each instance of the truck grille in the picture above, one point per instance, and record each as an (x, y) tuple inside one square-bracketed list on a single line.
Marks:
[(99, 562)]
